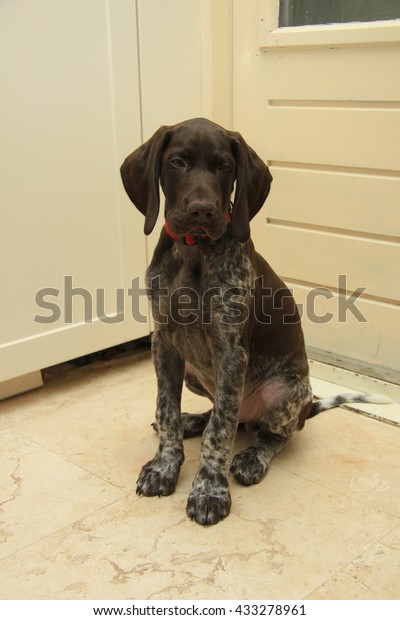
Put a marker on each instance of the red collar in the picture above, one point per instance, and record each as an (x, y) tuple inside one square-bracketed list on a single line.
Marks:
[(190, 239)]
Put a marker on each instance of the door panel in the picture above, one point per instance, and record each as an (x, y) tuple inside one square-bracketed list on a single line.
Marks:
[(372, 348), (334, 134), (321, 104), (372, 74), (336, 198), (324, 256)]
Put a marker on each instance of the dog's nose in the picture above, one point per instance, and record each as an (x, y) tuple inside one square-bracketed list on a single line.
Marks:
[(203, 208)]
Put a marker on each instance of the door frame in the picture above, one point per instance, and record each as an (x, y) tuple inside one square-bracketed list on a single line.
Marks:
[(344, 34)]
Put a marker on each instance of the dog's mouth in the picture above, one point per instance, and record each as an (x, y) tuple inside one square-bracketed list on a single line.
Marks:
[(206, 228), (213, 232)]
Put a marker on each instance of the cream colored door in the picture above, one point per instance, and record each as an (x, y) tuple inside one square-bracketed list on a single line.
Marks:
[(322, 104), (71, 242)]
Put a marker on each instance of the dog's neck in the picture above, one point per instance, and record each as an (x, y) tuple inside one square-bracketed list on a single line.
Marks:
[(190, 239)]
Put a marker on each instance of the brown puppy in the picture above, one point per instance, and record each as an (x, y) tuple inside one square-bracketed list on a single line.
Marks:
[(223, 318)]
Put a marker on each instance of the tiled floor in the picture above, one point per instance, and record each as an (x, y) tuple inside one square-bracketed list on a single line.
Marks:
[(324, 523)]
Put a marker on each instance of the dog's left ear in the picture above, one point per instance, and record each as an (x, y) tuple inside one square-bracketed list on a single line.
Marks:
[(253, 181), (140, 174)]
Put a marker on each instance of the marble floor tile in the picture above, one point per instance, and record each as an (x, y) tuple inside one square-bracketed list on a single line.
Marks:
[(349, 453), (324, 523), (282, 540), (105, 429), (372, 575), (99, 434), (41, 492), (80, 385)]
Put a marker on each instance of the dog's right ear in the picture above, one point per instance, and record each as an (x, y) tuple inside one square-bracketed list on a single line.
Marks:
[(140, 174)]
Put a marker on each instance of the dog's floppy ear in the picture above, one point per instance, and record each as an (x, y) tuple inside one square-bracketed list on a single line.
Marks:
[(253, 181), (140, 174)]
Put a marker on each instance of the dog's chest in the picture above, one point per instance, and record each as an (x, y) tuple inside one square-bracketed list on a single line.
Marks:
[(201, 299)]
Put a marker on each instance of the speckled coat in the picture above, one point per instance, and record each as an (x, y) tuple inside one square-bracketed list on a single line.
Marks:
[(224, 321)]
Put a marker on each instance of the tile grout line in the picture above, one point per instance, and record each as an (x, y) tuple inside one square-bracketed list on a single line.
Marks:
[(343, 494), (64, 527), (66, 459), (359, 555)]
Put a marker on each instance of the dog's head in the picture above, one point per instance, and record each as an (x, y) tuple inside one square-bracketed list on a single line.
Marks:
[(197, 163)]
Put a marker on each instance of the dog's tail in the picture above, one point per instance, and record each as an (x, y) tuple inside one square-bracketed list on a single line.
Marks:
[(334, 401)]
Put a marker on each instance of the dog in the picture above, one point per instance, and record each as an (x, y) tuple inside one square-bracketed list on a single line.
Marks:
[(225, 323)]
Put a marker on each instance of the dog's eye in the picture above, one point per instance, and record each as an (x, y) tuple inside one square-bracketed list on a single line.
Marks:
[(224, 167), (176, 162)]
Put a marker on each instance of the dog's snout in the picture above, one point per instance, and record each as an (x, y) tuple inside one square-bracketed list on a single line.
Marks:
[(202, 208)]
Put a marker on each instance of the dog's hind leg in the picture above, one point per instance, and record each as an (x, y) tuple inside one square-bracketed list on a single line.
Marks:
[(193, 424), (250, 465), (285, 406)]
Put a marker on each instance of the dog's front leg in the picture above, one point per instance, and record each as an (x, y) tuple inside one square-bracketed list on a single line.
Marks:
[(210, 499), (159, 476)]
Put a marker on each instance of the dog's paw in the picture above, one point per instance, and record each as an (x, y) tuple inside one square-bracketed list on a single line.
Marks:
[(194, 423), (207, 508), (158, 478), (248, 467)]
